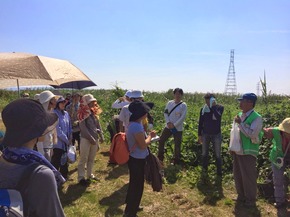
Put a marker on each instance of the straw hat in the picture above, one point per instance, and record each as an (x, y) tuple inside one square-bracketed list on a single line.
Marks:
[(285, 125)]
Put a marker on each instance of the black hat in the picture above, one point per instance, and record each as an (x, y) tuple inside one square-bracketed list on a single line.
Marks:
[(26, 119), (139, 109)]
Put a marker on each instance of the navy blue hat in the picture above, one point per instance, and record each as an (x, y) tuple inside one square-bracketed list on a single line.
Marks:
[(60, 99), (248, 96), (139, 109), (26, 119)]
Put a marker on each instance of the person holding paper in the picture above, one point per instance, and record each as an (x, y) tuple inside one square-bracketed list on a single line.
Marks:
[(244, 162)]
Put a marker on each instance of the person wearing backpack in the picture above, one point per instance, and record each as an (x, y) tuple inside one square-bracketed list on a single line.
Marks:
[(138, 147), (174, 114), (280, 158), (26, 123)]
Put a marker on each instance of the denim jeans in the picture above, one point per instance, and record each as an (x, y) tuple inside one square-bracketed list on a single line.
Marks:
[(216, 141)]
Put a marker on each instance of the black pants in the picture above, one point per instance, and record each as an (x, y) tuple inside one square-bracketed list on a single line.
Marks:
[(166, 133), (55, 161), (136, 185)]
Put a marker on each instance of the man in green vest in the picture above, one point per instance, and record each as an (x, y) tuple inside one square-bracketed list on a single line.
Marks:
[(280, 158), (244, 161)]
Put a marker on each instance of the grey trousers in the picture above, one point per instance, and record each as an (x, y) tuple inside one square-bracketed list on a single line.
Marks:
[(279, 184), (245, 176), (166, 133)]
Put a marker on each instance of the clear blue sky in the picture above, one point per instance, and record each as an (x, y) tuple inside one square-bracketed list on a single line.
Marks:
[(156, 45)]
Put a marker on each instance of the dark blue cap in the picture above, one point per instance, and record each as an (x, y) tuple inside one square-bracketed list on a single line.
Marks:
[(248, 96), (60, 99)]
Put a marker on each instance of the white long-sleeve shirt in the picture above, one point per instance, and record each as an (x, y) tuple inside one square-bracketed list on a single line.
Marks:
[(178, 115), (251, 131), (124, 116), (119, 104)]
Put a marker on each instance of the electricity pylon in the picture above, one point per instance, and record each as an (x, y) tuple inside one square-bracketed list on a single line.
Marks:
[(231, 86)]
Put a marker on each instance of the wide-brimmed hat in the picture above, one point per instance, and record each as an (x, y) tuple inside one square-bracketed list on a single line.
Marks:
[(128, 93), (248, 96), (89, 98), (26, 119), (136, 94), (139, 109), (285, 125), (45, 96)]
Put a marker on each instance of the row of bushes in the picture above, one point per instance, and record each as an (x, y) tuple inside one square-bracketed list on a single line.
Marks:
[(274, 111)]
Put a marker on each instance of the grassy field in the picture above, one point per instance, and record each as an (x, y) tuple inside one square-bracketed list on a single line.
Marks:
[(183, 193), (106, 198)]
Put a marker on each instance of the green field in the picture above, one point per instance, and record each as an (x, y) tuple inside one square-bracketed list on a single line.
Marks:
[(184, 194)]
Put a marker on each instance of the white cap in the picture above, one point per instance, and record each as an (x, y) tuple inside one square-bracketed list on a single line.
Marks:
[(45, 96)]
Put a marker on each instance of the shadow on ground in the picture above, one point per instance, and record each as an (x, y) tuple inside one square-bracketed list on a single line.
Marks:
[(73, 192), (114, 201), (211, 189)]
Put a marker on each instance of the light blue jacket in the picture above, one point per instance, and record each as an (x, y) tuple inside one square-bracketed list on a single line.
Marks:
[(63, 129)]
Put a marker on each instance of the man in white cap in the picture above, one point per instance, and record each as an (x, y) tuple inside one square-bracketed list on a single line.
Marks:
[(124, 115), (122, 101)]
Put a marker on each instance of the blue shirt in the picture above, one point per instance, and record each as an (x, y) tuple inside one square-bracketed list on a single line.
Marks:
[(135, 151), (64, 130)]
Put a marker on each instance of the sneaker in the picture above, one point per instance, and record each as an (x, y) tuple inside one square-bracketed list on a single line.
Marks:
[(84, 182), (93, 179)]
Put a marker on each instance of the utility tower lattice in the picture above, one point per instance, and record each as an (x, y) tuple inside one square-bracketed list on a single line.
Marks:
[(231, 86)]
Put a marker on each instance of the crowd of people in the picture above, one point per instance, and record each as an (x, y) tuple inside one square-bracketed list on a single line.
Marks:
[(41, 131)]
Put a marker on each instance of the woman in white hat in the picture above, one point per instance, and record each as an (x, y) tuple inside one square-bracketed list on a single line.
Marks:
[(48, 101), (91, 134), (26, 123), (279, 157)]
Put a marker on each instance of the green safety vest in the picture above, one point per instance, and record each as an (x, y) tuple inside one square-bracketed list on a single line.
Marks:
[(250, 148), (277, 150)]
